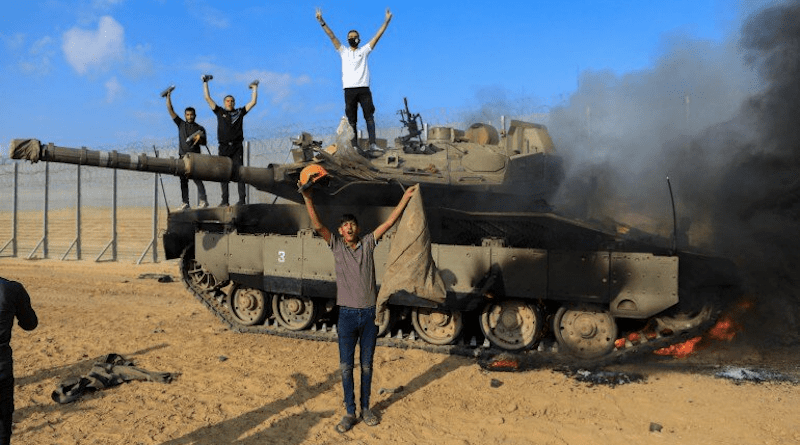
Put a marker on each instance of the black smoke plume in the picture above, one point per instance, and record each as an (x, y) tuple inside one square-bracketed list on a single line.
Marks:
[(723, 123)]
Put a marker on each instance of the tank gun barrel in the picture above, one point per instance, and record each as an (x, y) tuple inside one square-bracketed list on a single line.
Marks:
[(192, 165)]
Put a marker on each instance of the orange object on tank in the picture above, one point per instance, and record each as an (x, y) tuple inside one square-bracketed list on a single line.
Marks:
[(311, 174)]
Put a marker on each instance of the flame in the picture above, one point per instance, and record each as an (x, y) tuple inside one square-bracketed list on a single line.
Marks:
[(505, 365), (724, 330), (681, 350)]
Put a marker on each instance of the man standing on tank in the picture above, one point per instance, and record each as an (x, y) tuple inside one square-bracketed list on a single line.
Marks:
[(355, 78), (230, 133), (187, 128), (356, 295), (14, 302)]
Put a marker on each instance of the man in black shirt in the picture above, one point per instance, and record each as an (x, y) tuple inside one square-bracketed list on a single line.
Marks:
[(14, 302), (230, 133), (186, 129)]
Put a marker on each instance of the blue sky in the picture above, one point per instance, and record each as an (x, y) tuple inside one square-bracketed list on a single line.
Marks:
[(89, 72)]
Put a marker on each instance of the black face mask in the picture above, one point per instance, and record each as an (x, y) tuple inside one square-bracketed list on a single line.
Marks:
[(354, 41)]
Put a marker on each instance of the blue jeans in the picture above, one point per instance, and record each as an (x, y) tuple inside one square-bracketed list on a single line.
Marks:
[(356, 326)]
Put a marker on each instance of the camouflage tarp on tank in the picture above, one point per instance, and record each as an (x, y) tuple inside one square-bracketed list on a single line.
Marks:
[(25, 149), (410, 267)]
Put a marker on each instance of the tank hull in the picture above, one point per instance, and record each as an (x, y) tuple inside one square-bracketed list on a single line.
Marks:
[(557, 269)]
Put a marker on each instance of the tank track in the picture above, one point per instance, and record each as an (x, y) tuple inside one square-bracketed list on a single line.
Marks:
[(545, 353)]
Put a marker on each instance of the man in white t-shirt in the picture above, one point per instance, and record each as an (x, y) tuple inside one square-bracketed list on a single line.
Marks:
[(355, 79)]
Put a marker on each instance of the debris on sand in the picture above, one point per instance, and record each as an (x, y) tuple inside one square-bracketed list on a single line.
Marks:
[(160, 277), (740, 375), (609, 378)]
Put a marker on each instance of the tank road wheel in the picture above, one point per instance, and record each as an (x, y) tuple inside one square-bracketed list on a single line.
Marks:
[(249, 306), (437, 327), (687, 315), (511, 324), (585, 331), (387, 323), (294, 313), (196, 277)]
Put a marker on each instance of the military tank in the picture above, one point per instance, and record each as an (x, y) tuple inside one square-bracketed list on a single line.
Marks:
[(520, 277)]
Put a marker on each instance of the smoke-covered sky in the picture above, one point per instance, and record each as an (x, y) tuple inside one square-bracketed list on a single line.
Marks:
[(721, 121)]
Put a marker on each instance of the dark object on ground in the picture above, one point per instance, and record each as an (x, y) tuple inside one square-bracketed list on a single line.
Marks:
[(655, 428), (503, 364), (160, 277), (113, 370), (610, 378), (390, 390), (496, 383)]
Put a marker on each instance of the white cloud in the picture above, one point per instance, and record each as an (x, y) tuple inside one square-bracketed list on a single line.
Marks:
[(211, 17), (138, 63), (279, 86), (39, 56), (86, 49), (14, 41), (106, 4), (113, 89)]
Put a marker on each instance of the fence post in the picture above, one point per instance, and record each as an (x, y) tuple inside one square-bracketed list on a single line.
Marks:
[(77, 243), (43, 242), (154, 241), (14, 191), (113, 242)]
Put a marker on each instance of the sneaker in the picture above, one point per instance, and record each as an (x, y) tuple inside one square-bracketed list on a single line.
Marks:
[(240, 203), (346, 424), (375, 150), (202, 204), (184, 206), (369, 417), (224, 204)]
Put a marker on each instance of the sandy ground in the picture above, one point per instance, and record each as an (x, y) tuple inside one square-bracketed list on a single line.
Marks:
[(256, 389)]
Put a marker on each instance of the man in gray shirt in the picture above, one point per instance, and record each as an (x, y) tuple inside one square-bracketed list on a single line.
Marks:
[(355, 295)]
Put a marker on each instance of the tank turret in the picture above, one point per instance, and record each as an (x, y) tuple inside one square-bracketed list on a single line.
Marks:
[(475, 170)]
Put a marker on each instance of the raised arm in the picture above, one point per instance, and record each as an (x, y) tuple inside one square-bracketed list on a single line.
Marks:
[(331, 35), (381, 229), (312, 213), (210, 101), (253, 97), (169, 106), (382, 29)]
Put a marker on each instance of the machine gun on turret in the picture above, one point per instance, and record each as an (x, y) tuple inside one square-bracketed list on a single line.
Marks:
[(412, 142)]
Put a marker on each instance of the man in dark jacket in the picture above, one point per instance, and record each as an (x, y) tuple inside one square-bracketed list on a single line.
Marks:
[(191, 136), (14, 302)]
